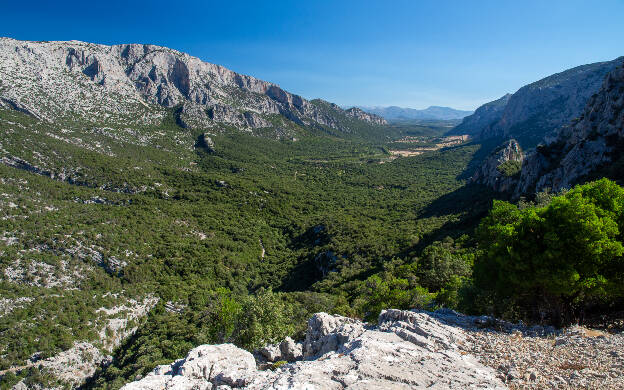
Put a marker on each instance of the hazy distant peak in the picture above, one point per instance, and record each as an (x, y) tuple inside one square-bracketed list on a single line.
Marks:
[(429, 113)]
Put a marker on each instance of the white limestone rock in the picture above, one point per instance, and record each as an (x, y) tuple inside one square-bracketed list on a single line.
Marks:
[(408, 350)]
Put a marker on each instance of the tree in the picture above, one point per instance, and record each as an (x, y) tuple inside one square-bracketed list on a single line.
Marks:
[(556, 258)]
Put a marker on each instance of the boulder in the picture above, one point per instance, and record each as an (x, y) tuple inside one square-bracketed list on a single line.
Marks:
[(408, 350)]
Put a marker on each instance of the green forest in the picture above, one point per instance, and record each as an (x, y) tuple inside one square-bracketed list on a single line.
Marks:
[(251, 236)]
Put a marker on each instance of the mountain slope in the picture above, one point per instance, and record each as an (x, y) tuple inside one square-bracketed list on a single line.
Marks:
[(135, 84), (394, 113), (483, 117), (538, 109), (593, 141), (589, 145)]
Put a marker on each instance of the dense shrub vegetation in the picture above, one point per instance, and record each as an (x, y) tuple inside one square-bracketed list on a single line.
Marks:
[(251, 237), (554, 261)]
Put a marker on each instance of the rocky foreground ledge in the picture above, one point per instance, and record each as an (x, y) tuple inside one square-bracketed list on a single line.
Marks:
[(407, 350)]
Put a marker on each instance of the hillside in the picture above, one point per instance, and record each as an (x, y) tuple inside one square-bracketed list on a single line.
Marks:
[(136, 84), (131, 205), (589, 146), (539, 108)]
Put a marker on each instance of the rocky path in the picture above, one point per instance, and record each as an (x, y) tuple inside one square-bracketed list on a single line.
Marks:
[(577, 358)]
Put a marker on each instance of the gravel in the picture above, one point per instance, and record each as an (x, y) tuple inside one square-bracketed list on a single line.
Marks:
[(573, 358)]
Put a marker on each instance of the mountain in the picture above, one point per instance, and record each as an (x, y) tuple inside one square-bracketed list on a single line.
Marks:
[(136, 84), (540, 108), (394, 113), (483, 117), (592, 144)]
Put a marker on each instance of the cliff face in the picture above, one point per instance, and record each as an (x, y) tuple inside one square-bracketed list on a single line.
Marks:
[(133, 83), (589, 143), (483, 117), (501, 169), (540, 108)]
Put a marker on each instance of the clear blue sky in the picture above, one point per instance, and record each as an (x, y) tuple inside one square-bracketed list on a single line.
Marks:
[(409, 53)]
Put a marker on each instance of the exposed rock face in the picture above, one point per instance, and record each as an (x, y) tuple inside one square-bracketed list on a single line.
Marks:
[(132, 83), (501, 169), (484, 116), (357, 113), (540, 108), (408, 350), (589, 143)]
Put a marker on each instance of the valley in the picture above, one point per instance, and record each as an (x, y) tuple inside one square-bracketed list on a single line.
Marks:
[(151, 203)]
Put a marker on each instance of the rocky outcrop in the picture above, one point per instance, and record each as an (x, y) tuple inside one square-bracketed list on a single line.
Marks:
[(357, 113), (132, 83), (588, 143), (501, 170), (484, 116), (540, 108), (407, 350)]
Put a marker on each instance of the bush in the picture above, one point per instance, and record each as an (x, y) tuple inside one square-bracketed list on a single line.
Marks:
[(555, 260), (443, 263), (264, 319), (510, 168), (378, 294)]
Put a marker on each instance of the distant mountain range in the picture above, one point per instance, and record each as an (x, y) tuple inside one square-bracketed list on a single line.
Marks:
[(394, 113)]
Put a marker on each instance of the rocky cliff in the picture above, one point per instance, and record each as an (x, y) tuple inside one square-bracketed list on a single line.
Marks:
[(501, 169), (593, 141), (134, 83), (590, 142), (540, 108), (484, 116)]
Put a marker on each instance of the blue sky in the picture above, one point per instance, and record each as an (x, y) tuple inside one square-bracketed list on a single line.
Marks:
[(394, 52)]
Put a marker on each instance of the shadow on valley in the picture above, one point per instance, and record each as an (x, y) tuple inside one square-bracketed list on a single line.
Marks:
[(486, 147), (470, 203)]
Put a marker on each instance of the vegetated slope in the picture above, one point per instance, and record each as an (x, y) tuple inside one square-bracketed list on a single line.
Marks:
[(319, 213), (134, 84), (540, 108), (394, 113)]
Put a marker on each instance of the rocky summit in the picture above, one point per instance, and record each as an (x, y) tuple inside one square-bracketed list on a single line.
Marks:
[(134, 83), (406, 350)]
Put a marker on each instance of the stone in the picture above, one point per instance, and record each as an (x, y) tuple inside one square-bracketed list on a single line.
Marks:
[(326, 333), (343, 353), (271, 353), (291, 351)]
